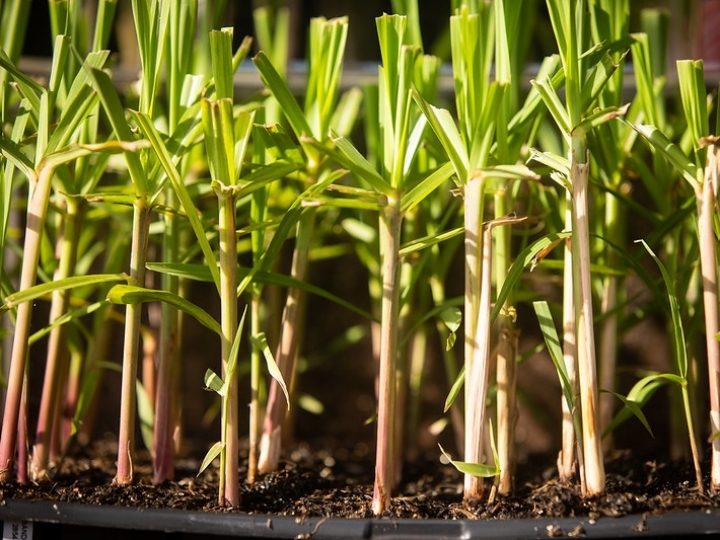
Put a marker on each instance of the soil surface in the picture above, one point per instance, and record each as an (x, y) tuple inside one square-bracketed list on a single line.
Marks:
[(315, 482), (339, 484)]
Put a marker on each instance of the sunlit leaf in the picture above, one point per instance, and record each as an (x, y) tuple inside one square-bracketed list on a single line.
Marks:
[(73, 282), (130, 294), (214, 382), (213, 453), (260, 343), (480, 470)]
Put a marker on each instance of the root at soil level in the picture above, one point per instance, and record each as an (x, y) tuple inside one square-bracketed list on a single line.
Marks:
[(339, 484)]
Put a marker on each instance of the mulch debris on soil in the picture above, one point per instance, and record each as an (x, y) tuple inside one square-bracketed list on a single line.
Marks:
[(339, 484)]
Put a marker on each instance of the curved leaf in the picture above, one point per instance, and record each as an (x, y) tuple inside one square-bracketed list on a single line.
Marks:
[(131, 294), (38, 291), (260, 343)]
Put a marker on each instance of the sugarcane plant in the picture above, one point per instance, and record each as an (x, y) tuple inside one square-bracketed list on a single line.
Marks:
[(53, 149), (698, 166), (311, 125), (469, 149), (243, 180), (86, 176), (393, 192), (582, 83)]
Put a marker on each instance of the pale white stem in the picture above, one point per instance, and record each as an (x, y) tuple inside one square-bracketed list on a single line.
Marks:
[(708, 263), (478, 374), (566, 460), (587, 376), (473, 259)]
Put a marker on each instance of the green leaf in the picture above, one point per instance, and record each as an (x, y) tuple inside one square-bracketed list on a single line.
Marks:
[(484, 136), (181, 191), (260, 343), (151, 22), (213, 453), (429, 241), (552, 342), (146, 414), (12, 152), (29, 89), (72, 315), (639, 395), (87, 392), (193, 271), (271, 278), (310, 404), (327, 47), (116, 113), (598, 77), (599, 117), (220, 139), (346, 112), (451, 318), (445, 129), (265, 174), (425, 187), (525, 258), (214, 382), (455, 389), (234, 352), (691, 80), (635, 409), (130, 294), (481, 470), (671, 151), (554, 105), (44, 289), (222, 65), (675, 314), (349, 157), (279, 89), (74, 112)]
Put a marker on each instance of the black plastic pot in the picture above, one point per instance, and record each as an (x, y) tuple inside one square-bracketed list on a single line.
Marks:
[(27, 520)]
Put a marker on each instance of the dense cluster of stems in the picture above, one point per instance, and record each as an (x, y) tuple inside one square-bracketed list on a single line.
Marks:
[(505, 180)]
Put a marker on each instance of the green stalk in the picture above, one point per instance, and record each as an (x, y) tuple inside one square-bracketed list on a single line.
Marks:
[(131, 345), (614, 230), (229, 493), (390, 227), (226, 139), (288, 348), (609, 22), (506, 355), (180, 39), (690, 424), (36, 215), (254, 414), (312, 123), (85, 372)]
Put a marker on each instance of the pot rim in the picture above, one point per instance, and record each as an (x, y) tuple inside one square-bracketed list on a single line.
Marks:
[(236, 524)]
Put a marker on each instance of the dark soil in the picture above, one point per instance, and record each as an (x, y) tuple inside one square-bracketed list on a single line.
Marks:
[(339, 484)]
